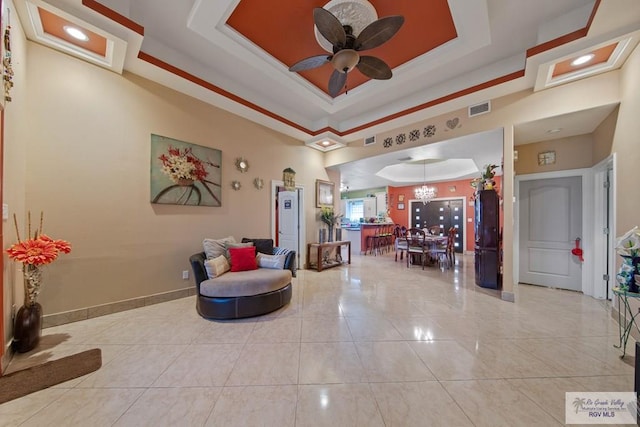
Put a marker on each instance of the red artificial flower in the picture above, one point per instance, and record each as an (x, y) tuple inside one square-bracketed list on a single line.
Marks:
[(33, 251), (61, 245)]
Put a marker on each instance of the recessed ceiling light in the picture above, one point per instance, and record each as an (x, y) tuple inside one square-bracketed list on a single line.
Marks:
[(75, 33), (582, 59), (554, 130), (325, 143)]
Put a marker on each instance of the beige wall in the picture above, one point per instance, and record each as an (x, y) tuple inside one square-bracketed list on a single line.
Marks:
[(87, 168), (571, 153), (626, 143), (603, 137), (17, 123)]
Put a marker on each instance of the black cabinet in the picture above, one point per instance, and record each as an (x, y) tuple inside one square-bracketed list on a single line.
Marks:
[(487, 240)]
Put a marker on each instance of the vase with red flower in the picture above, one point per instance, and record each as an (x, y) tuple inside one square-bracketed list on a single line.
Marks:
[(33, 253)]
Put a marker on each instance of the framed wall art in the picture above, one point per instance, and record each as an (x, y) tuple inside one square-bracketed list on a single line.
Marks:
[(185, 174), (324, 193), (400, 206)]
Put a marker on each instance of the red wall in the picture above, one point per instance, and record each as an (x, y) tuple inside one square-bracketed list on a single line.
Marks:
[(462, 189)]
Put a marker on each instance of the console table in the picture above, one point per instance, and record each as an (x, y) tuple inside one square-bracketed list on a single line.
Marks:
[(626, 320), (323, 262)]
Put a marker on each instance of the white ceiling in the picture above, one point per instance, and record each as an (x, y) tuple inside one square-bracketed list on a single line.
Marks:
[(493, 39)]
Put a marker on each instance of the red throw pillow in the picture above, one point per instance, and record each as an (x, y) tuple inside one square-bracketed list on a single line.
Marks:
[(243, 259)]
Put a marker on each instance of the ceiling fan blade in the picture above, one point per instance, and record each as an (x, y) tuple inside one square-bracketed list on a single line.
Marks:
[(374, 68), (329, 26), (336, 82), (378, 32), (309, 63)]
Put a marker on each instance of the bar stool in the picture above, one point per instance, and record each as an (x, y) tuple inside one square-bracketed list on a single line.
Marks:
[(374, 242)]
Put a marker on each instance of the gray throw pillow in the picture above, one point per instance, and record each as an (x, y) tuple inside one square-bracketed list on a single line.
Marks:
[(213, 248)]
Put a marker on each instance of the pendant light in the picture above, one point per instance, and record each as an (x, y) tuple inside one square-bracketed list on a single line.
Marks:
[(424, 193)]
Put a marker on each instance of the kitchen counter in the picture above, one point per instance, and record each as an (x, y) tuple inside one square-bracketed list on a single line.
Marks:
[(352, 234)]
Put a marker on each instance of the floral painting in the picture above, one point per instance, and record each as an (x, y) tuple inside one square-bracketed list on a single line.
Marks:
[(184, 173)]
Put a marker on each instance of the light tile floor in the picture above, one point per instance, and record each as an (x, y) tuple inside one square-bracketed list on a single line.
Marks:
[(372, 344)]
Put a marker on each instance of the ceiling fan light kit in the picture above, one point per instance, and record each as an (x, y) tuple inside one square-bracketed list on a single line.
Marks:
[(345, 60), (345, 45)]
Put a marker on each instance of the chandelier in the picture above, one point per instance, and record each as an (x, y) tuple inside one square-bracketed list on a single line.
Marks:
[(424, 193)]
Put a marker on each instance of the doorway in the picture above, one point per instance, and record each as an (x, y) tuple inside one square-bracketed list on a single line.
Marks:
[(551, 225), (604, 228), (287, 219), (443, 213)]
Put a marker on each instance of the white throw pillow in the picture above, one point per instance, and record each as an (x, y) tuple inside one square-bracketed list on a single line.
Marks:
[(271, 261), (217, 266), (213, 248)]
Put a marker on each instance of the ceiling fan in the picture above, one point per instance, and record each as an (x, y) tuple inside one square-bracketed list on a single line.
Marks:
[(346, 47)]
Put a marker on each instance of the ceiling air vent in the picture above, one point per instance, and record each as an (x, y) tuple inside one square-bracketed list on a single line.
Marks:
[(478, 109), (370, 140)]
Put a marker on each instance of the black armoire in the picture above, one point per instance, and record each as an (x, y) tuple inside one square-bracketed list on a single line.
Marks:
[(487, 243)]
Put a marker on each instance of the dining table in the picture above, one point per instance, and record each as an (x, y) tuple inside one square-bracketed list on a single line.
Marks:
[(431, 243)]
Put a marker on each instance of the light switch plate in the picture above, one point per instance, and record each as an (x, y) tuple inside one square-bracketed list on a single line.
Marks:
[(5, 211)]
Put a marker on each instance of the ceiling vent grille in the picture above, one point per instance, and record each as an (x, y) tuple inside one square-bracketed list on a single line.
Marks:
[(370, 140), (478, 109)]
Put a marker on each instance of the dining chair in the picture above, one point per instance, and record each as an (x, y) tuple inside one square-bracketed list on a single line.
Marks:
[(438, 251), (416, 246), (400, 240), (451, 248), (434, 230)]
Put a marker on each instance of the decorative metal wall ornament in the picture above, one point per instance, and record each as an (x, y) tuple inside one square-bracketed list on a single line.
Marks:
[(429, 131), (236, 185), (289, 179), (7, 69), (258, 183), (453, 123), (242, 164)]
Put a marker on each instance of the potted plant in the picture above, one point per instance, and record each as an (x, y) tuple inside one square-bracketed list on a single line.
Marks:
[(628, 247), (329, 217), (487, 177), (34, 252)]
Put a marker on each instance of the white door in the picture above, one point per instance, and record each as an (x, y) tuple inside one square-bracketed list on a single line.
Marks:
[(550, 222), (288, 220)]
